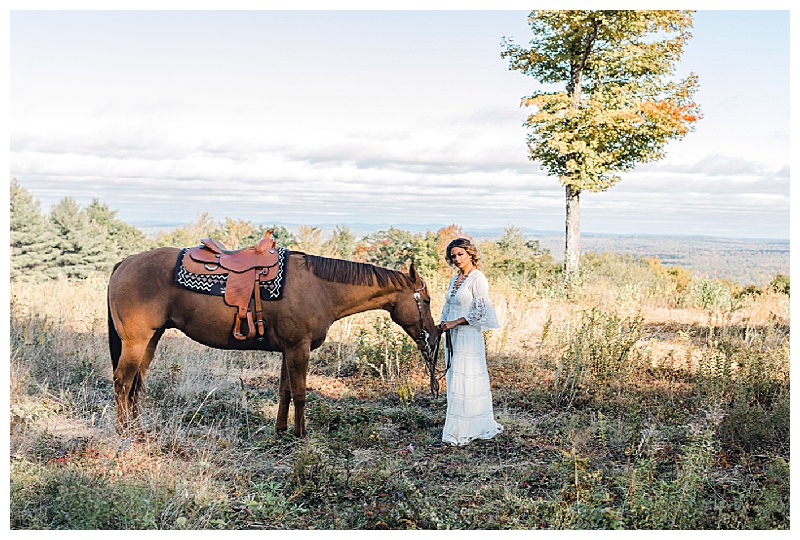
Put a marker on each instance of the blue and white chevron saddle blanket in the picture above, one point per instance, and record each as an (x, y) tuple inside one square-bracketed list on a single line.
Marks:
[(214, 284)]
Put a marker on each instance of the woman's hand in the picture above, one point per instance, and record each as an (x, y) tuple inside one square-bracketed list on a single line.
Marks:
[(445, 326)]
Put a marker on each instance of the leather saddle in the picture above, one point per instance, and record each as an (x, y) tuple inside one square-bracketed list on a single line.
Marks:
[(246, 269)]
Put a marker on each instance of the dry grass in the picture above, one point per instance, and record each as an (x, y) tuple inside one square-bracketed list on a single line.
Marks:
[(617, 405)]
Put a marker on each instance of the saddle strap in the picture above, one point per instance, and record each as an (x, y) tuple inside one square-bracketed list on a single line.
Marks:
[(244, 313), (259, 310)]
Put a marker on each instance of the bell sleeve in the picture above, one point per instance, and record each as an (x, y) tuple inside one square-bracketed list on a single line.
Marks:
[(481, 312), (445, 311)]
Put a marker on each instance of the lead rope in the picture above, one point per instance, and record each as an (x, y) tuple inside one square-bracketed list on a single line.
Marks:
[(432, 370), (434, 358), (429, 357)]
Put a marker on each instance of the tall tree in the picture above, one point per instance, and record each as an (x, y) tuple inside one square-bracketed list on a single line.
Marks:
[(127, 238), (619, 106), (33, 241), (84, 246)]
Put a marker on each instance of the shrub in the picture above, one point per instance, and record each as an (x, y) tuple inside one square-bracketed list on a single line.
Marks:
[(598, 349), (624, 279), (780, 284), (711, 295)]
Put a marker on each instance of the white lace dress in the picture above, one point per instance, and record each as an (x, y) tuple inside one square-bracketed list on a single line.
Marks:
[(470, 414)]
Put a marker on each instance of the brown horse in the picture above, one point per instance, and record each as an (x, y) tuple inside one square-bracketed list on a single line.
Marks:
[(143, 301)]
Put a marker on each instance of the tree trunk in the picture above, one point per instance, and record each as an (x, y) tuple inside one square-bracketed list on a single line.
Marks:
[(573, 233), (572, 251)]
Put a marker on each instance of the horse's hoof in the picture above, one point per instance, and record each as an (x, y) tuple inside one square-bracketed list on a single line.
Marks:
[(280, 432)]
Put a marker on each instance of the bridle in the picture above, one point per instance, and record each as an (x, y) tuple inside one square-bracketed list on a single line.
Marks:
[(430, 355)]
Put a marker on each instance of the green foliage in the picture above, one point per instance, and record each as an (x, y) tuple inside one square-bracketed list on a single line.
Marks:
[(384, 351), (780, 284), (631, 279), (284, 237), (620, 107), (514, 255), (84, 246), (74, 497), (748, 372), (342, 243), (391, 248), (33, 239), (126, 238), (426, 257), (710, 294), (70, 242), (397, 249), (599, 349), (236, 233)]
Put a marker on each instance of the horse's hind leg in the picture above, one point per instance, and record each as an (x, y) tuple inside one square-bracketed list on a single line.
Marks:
[(293, 389), (284, 399), (129, 379)]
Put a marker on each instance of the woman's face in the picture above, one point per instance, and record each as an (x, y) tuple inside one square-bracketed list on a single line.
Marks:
[(461, 258)]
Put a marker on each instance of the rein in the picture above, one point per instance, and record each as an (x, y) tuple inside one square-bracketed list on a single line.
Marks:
[(431, 356)]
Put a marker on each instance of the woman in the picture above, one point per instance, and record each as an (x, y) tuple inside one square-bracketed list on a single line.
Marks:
[(466, 314)]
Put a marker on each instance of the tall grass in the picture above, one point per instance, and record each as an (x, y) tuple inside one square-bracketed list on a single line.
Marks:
[(639, 399)]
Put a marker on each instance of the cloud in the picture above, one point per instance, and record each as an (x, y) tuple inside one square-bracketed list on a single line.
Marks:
[(402, 176), (473, 170)]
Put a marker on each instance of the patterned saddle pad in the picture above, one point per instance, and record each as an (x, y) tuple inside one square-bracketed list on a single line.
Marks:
[(214, 284)]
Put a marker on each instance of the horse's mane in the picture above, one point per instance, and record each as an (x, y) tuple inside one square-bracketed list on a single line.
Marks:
[(355, 273)]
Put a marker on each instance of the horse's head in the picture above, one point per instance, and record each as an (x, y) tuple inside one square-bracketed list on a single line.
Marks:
[(412, 311)]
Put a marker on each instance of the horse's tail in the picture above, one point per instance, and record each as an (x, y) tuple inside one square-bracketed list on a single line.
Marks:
[(114, 341)]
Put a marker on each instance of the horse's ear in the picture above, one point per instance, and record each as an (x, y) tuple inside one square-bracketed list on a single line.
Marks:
[(413, 273)]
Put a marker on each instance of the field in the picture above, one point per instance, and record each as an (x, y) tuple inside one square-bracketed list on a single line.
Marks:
[(744, 261), (633, 401)]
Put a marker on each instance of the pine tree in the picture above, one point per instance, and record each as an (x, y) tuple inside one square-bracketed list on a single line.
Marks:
[(84, 245), (126, 238), (33, 242)]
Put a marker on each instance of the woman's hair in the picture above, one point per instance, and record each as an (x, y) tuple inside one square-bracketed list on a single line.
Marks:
[(467, 245)]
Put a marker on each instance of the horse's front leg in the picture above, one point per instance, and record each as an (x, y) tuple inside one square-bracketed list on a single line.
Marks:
[(295, 362)]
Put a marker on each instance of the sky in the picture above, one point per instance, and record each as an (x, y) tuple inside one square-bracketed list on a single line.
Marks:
[(405, 118)]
